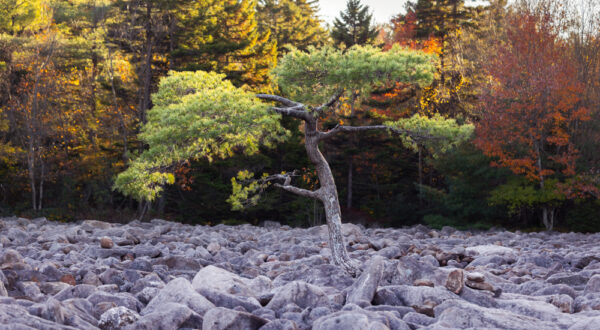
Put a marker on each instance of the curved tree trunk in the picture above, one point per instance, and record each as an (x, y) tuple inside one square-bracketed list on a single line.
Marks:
[(328, 195)]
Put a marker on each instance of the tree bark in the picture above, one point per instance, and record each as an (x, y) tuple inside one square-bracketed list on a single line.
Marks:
[(328, 195)]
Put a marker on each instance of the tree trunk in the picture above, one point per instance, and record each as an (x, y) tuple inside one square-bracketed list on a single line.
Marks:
[(349, 200), (147, 81), (328, 195), (548, 218)]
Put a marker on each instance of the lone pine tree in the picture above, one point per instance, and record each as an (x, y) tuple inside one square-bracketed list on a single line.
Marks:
[(201, 115)]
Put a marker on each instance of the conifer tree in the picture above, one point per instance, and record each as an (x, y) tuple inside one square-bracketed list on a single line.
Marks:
[(201, 116), (354, 26), (223, 36), (292, 23)]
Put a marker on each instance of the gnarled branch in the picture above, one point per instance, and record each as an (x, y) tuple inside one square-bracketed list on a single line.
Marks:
[(292, 108), (279, 99), (287, 178)]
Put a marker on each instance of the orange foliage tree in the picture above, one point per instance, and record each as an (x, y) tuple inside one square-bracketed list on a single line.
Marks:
[(530, 112)]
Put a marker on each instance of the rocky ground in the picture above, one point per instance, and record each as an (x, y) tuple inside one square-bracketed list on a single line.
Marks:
[(163, 275)]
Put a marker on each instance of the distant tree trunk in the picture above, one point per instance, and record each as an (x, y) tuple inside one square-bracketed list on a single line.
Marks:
[(147, 79), (548, 217), (349, 200)]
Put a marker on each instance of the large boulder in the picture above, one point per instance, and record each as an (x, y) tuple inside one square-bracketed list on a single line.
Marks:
[(461, 314), (182, 292), (404, 295), (300, 293), (170, 315), (221, 299), (220, 318), (219, 279)]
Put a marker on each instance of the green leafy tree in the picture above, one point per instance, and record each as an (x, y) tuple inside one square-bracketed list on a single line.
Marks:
[(199, 115), (354, 26)]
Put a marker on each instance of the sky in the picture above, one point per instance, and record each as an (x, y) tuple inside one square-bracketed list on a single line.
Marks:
[(383, 10)]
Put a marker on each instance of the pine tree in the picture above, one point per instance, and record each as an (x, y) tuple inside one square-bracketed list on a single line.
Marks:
[(354, 26), (223, 36), (292, 23)]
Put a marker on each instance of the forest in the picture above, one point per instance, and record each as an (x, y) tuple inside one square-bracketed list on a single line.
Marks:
[(81, 85)]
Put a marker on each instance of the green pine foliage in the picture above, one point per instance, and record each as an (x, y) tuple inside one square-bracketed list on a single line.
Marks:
[(292, 23), (224, 36), (197, 115), (354, 26)]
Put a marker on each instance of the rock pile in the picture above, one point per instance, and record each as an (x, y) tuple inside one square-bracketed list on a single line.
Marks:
[(163, 275)]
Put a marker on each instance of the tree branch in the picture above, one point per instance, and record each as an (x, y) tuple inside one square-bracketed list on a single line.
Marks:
[(279, 99), (299, 191), (292, 112), (287, 178), (332, 101), (292, 108)]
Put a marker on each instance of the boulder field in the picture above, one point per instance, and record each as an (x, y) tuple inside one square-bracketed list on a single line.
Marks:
[(164, 275)]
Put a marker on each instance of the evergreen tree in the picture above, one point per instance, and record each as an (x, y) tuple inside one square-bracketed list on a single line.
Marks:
[(354, 26), (223, 36), (292, 23)]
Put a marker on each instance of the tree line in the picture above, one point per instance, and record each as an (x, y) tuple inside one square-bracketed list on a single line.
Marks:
[(77, 79)]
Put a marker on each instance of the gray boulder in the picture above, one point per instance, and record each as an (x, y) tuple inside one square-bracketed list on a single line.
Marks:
[(221, 299), (179, 291), (220, 318), (169, 316), (404, 295), (460, 314), (221, 280), (117, 318), (300, 293)]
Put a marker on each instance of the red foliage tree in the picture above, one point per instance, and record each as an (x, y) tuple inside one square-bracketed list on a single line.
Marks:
[(530, 113)]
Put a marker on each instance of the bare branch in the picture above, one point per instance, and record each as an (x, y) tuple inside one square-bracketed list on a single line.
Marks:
[(293, 112), (332, 101), (287, 178), (292, 109), (279, 99), (299, 191)]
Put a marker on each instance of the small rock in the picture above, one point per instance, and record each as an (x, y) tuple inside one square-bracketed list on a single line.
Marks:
[(476, 277), (483, 286), (455, 281), (117, 318), (423, 282), (106, 243), (213, 247)]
